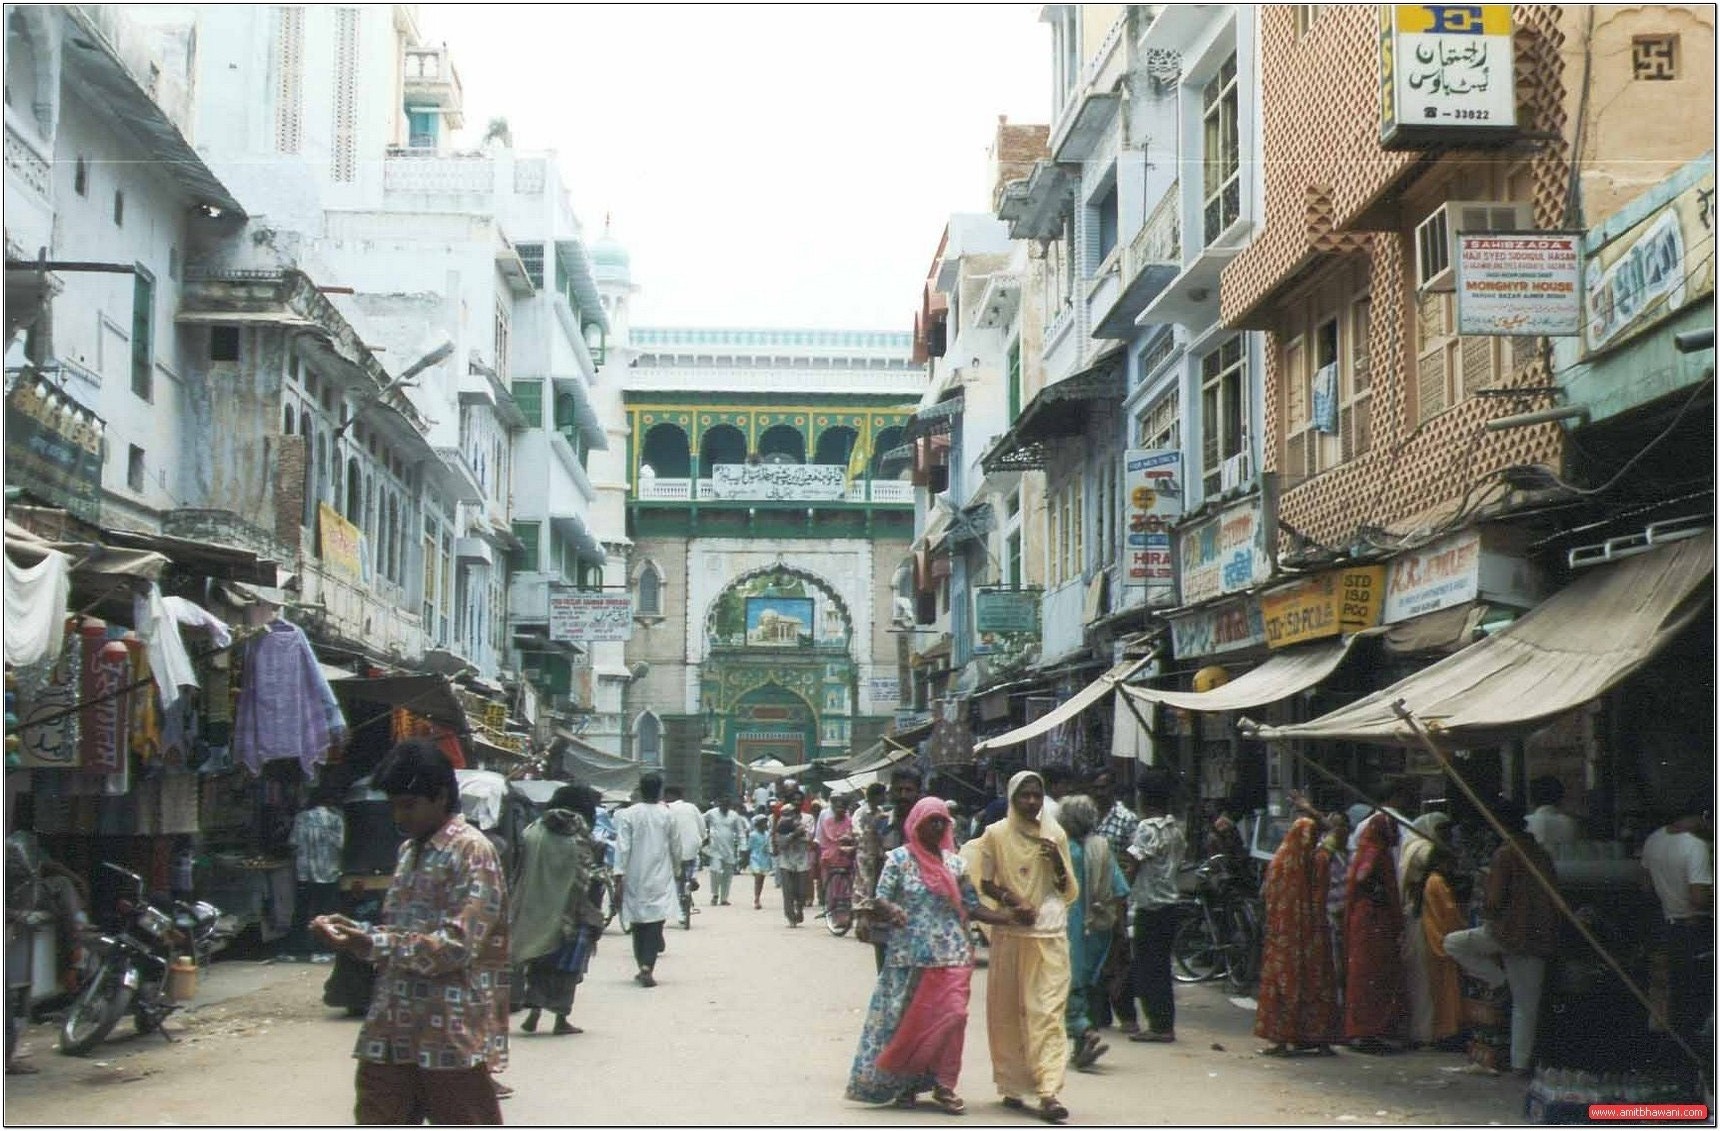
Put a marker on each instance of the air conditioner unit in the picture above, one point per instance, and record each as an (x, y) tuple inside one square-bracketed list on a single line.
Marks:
[(1436, 236), (1234, 472)]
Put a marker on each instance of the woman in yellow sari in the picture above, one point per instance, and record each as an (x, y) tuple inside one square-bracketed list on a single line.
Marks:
[(1024, 865)]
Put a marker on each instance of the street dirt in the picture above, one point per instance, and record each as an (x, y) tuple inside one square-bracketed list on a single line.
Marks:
[(752, 1023)]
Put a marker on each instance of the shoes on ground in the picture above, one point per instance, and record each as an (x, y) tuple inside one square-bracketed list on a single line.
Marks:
[(1149, 1037)]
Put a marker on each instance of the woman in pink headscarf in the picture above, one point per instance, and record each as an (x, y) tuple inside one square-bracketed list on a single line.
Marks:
[(912, 1039)]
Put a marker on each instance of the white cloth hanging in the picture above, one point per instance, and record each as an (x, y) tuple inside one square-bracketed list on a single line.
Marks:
[(36, 608), (196, 616), (169, 663)]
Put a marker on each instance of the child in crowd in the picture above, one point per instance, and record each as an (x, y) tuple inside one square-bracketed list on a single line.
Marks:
[(758, 857)]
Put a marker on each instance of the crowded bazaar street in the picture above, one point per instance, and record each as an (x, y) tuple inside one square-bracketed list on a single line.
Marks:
[(751, 1024)]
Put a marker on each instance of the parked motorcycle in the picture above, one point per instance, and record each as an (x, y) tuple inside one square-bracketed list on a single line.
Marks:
[(131, 971)]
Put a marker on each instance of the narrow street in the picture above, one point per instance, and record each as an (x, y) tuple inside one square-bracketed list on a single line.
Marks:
[(752, 1024)]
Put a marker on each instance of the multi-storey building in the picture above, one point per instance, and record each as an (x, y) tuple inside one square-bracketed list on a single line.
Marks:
[(764, 539)]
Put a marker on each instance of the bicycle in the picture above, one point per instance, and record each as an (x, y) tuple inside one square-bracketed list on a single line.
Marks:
[(1222, 938), (685, 885), (838, 911)]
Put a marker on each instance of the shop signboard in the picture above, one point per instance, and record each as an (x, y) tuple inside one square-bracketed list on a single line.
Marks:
[(1652, 269), (1006, 611), (1216, 629), (1335, 603), (1519, 283), (1441, 575), (1447, 73), (779, 482), (54, 449), (590, 618), (337, 541), (884, 690), (1153, 494), (1223, 554)]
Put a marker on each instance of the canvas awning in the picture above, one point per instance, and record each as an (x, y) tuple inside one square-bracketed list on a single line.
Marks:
[(876, 758), (774, 773), (1280, 677), (1076, 703), (1566, 651), (429, 696), (588, 765), (854, 783)]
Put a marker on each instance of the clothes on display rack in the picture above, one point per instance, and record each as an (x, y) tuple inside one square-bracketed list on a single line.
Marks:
[(36, 608), (168, 658), (191, 615), (286, 708)]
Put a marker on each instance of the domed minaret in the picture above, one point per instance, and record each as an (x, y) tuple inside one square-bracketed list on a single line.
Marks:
[(612, 268)]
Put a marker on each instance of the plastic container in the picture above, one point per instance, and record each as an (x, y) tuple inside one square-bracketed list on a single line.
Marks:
[(182, 979)]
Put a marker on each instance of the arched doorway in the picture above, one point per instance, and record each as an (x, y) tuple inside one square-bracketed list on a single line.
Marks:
[(773, 722), (667, 452), (782, 443), (723, 443), (835, 445)]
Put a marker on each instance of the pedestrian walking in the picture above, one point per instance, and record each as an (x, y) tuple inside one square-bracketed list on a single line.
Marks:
[(1336, 842), (726, 832), (1432, 908), (1117, 825), (1095, 911), (317, 839), (647, 861), (689, 836), (1678, 858), (791, 843), (877, 838), (555, 920), (1376, 1004), (835, 838), (1298, 997), (917, 1021), (436, 1030), (758, 856), (1024, 865), (1418, 849), (1157, 850), (1519, 930)]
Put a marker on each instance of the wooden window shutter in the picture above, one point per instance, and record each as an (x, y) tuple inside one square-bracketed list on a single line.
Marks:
[(1477, 354)]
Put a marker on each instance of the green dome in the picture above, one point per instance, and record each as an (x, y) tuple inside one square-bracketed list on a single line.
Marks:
[(609, 260)]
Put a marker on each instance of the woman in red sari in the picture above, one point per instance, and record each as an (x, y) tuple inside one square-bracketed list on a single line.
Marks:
[(1376, 1002), (1298, 996)]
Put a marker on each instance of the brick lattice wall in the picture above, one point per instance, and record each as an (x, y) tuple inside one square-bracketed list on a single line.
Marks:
[(1324, 166)]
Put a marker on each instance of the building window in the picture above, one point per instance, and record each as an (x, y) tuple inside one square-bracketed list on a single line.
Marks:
[(1355, 412), (1223, 401), (1449, 367), (1014, 379), (223, 343), (134, 468), (81, 177), (1327, 351), (1105, 216), (531, 254), (528, 395), (1105, 509), (1160, 427), (421, 128), (1067, 32), (526, 558), (1654, 58), (648, 738), (649, 602), (501, 342), (118, 209), (1221, 157), (1012, 560), (143, 333)]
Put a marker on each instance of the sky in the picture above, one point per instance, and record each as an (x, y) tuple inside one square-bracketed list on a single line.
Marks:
[(769, 166)]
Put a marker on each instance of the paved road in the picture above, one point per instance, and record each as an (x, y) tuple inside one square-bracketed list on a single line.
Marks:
[(752, 1024)]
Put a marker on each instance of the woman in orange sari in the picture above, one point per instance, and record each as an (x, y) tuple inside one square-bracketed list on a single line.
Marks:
[(1435, 906), (1298, 995), (1376, 1000)]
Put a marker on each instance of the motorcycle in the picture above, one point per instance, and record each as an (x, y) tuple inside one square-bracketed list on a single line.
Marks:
[(131, 971)]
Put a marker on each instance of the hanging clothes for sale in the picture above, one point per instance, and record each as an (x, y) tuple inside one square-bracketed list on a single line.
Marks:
[(168, 658), (36, 608), (286, 709), (144, 732), (191, 615)]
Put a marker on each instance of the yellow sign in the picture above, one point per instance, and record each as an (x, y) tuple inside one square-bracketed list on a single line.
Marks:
[(338, 540), (1333, 604), (496, 716)]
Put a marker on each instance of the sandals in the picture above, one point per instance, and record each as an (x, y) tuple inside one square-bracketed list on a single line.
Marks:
[(1013, 1103), (1089, 1050), (1051, 1111), (1276, 1050), (949, 1101), (907, 1101)]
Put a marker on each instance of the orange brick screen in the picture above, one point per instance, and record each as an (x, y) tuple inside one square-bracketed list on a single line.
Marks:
[(1320, 137)]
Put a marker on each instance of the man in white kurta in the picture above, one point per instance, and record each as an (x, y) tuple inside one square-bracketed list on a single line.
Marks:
[(647, 862), (726, 832)]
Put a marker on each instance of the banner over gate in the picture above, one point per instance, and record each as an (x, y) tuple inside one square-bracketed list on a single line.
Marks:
[(779, 482)]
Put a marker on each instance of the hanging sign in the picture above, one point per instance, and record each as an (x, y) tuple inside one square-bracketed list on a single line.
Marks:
[(1227, 627), (1438, 576), (779, 482), (590, 618), (1652, 270), (1006, 611), (337, 540), (1519, 283), (1334, 603), (1153, 494), (54, 448), (1225, 553), (1447, 71)]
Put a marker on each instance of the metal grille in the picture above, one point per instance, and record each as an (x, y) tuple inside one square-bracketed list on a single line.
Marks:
[(346, 95), (290, 80), (1477, 363)]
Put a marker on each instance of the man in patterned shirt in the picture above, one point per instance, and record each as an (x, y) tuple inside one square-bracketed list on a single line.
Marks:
[(437, 1025)]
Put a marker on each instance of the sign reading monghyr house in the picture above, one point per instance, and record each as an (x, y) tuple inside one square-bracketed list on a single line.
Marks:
[(779, 482), (1446, 71), (1519, 283)]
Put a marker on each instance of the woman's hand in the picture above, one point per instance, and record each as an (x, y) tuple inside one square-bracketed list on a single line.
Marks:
[(1022, 915), (890, 913)]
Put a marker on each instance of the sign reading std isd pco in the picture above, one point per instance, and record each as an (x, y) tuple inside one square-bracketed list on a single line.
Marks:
[(1446, 73)]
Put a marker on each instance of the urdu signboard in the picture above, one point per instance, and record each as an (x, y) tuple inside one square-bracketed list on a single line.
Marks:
[(1446, 73), (590, 618), (1520, 283)]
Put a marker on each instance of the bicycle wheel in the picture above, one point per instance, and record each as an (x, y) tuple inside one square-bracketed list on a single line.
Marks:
[(1195, 955), (1241, 947), (839, 904)]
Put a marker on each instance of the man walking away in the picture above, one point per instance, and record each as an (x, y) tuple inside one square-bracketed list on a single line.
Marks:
[(318, 836), (555, 922), (689, 834), (1158, 851), (1117, 825), (726, 832), (646, 862), (1679, 860), (436, 1029), (792, 843), (1518, 933), (877, 838)]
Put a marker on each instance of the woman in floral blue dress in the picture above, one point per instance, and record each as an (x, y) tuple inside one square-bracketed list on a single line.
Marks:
[(915, 1027)]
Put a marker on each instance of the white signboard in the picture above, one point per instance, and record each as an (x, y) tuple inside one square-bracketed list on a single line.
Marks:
[(885, 691), (1519, 284), (779, 482), (1153, 495), (1224, 554), (1445, 70), (1442, 575), (590, 618)]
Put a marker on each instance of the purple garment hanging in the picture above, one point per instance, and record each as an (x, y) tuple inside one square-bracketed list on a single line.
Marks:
[(286, 708)]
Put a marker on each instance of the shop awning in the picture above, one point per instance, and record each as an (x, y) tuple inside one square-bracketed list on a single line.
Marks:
[(879, 756), (854, 783), (1566, 651), (1280, 677), (935, 419), (774, 773), (1062, 409), (429, 696), (1077, 703), (589, 765)]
